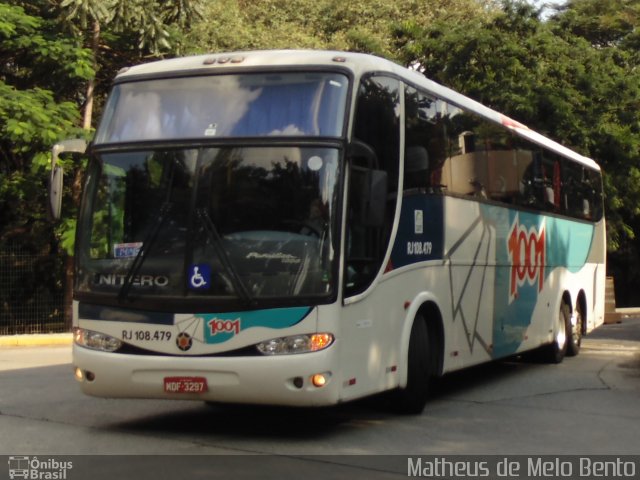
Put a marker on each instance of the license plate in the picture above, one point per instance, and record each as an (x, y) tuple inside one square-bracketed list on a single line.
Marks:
[(185, 385)]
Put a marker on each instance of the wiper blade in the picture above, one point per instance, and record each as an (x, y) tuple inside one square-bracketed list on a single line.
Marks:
[(226, 262), (142, 254)]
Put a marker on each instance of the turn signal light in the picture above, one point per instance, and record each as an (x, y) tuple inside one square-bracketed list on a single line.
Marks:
[(296, 344), (320, 341)]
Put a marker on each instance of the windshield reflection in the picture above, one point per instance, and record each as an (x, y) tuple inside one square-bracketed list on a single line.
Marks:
[(292, 104), (248, 223)]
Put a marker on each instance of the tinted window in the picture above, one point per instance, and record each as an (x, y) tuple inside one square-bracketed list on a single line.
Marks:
[(487, 161), (374, 175), (425, 145)]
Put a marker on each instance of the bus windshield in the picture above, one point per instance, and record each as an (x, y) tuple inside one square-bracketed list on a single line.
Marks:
[(206, 107), (242, 223)]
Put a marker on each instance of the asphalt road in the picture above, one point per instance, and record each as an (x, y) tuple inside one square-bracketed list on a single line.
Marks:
[(586, 406)]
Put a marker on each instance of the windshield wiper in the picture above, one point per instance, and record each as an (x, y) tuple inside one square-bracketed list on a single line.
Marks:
[(142, 254), (226, 262)]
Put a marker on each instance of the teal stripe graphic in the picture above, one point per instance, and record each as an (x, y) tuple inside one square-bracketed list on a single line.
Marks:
[(220, 327)]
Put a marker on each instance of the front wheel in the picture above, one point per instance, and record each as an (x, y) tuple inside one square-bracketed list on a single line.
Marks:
[(556, 350), (421, 370)]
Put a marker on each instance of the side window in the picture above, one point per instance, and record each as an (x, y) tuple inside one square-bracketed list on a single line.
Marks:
[(552, 183), (465, 164), (425, 146), (373, 180), (593, 186), (483, 158), (541, 182), (582, 192), (448, 149)]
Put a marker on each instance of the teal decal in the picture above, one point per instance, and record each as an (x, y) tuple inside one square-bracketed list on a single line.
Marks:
[(528, 248), (220, 327), (568, 245)]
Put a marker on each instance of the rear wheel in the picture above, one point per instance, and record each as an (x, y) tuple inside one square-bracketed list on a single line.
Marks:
[(575, 326), (421, 370)]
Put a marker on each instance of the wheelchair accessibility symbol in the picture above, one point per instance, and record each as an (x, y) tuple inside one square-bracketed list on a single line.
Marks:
[(199, 277)]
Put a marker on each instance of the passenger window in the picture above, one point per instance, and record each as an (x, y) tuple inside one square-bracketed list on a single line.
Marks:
[(453, 150), (373, 180), (483, 158), (425, 148)]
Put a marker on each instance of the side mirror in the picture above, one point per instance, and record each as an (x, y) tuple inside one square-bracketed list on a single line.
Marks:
[(55, 192), (57, 173)]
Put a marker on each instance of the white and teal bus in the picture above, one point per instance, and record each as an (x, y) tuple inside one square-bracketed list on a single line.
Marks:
[(308, 227)]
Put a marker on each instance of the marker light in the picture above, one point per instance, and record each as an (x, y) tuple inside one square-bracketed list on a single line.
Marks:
[(295, 344), (96, 340)]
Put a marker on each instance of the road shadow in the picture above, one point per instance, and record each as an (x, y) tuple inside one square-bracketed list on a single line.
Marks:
[(254, 421), (313, 423)]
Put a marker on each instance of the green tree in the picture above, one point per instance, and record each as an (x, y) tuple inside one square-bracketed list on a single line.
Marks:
[(611, 23), (358, 25), (40, 70)]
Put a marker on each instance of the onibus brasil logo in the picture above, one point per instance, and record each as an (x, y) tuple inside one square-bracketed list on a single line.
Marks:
[(38, 469), (527, 255)]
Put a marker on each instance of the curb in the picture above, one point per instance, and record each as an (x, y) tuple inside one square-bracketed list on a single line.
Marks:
[(628, 312), (36, 340)]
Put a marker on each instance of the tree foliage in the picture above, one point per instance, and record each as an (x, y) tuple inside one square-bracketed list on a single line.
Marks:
[(37, 108), (611, 23), (358, 25)]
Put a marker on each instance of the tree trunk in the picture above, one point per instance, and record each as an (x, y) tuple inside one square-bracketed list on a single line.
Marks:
[(68, 293), (88, 106), (76, 187)]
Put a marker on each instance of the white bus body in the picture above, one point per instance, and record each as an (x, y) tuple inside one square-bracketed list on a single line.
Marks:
[(450, 234)]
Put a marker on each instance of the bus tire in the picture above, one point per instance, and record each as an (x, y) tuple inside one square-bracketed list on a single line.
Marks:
[(574, 339), (556, 350), (412, 398)]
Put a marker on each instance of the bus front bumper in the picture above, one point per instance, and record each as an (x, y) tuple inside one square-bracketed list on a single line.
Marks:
[(271, 380)]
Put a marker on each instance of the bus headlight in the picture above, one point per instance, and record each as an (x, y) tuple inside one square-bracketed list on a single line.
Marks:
[(296, 344), (96, 340)]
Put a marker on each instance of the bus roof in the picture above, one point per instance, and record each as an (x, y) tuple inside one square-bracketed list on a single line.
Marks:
[(357, 63)]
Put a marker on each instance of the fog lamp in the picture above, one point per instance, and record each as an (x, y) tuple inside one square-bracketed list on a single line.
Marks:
[(319, 379)]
